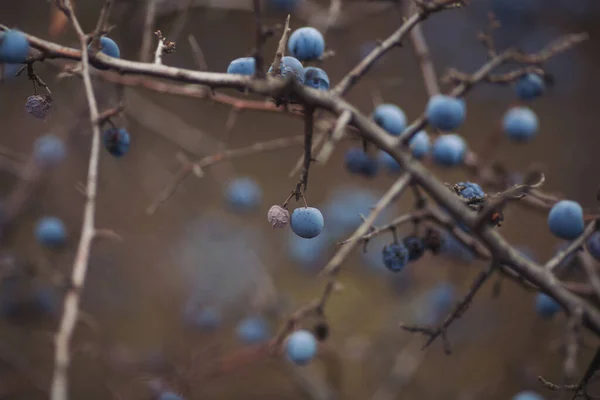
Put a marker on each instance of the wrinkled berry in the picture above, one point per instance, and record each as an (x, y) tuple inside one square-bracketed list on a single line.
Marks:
[(38, 105), (278, 216), (395, 257)]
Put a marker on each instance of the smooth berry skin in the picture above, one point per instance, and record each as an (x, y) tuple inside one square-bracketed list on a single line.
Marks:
[(565, 220), (290, 66), (593, 245), (470, 190), (415, 247), (14, 47), (306, 44), (242, 66), (252, 330), (316, 78), (360, 163), (243, 194), (449, 150), (301, 347), (169, 396), (307, 222), (546, 306), (520, 124), (529, 87), (117, 141), (108, 47), (527, 395), (49, 150), (388, 162), (395, 257), (420, 145), (391, 118), (51, 232), (445, 112)]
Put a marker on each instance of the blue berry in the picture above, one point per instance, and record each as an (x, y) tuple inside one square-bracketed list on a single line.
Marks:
[(205, 318), (242, 66), (593, 245), (420, 145), (442, 297), (449, 150), (391, 118), (51, 232), (284, 5), (306, 44), (316, 78), (520, 124), (527, 395), (290, 66), (445, 112), (243, 194), (308, 252), (301, 347), (117, 141), (49, 150), (389, 162), (307, 222), (360, 163), (395, 256), (169, 396), (546, 306), (108, 47), (415, 247), (529, 87), (469, 190), (252, 330), (454, 248), (14, 47), (565, 220)]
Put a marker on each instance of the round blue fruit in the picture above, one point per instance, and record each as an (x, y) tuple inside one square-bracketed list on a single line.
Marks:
[(420, 145), (307, 222), (546, 306), (527, 395), (51, 232), (520, 124), (469, 190), (529, 87), (242, 66), (395, 257), (391, 118), (252, 330), (316, 78), (14, 47), (301, 347), (290, 66), (360, 163), (117, 141), (108, 47), (284, 5), (593, 245), (565, 220), (306, 44), (389, 162), (169, 396), (449, 150), (415, 246), (243, 194), (446, 112), (49, 150)]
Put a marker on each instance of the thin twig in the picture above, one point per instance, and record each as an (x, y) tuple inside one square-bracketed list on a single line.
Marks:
[(338, 132), (148, 29), (281, 47), (574, 246)]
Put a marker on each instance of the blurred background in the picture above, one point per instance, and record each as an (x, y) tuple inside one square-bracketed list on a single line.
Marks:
[(145, 325)]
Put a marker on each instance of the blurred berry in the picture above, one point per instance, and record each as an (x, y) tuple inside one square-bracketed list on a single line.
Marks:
[(390, 118), (207, 318), (301, 347), (546, 306), (593, 245), (306, 44), (321, 331), (308, 252), (242, 66), (51, 232), (14, 47), (565, 220), (395, 257), (529, 87), (469, 190), (10, 71), (243, 194), (415, 246), (38, 105), (420, 145), (388, 162), (49, 150), (445, 112), (361, 163), (116, 141), (284, 5), (527, 395), (169, 396), (316, 78), (449, 150), (307, 222), (520, 124), (252, 330)]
